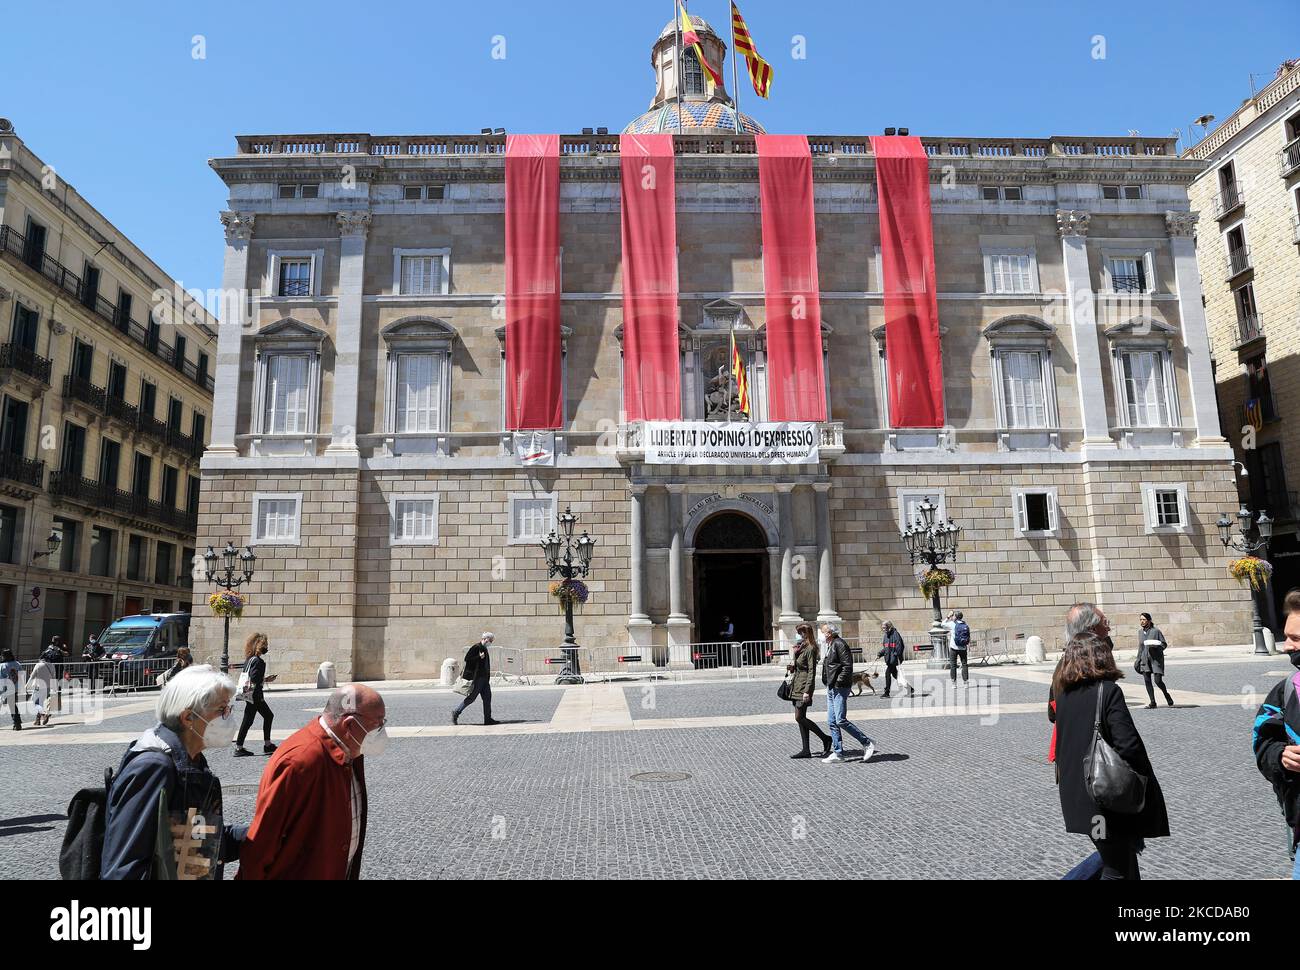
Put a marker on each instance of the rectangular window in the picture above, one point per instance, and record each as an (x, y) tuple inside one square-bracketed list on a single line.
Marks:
[(141, 478), (1127, 274), (13, 427), (198, 428), (1146, 396), (123, 319), (1165, 507), (117, 381), (1024, 398), (8, 533), (309, 191), (414, 520), (295, 191), (89, 286), (295, 277), (419, 392), (201, 369), (25, 330), (73, 459), (83, 360), (135, 553), (422, 275), (1035, 512), (1168, 509), (178, 353), (148, 398), (170, 480), (192, 495), (102, 543), (110, 458), (1001, 193), (1129, 192), (276, 518), (531, 517), (165, 565), (1011, 272), (175, 408), (909, 502), (284, 409)]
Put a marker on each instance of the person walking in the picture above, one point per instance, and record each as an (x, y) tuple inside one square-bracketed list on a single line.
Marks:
[(11, 672), (195, 714), (1087, 700), (958, 644), (803, 682), (41, 686), (252, 681), (311, 813), (837, 675), (1277, 732), (1151, 659), (478, 671), (892, 649), (92, 654)]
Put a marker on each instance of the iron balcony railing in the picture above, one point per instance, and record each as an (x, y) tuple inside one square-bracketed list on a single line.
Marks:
[(28, 361), (16, 468), (109, 405), (1238, 261), (1126, 284), (1230, 198), (1290, 156), (13, 244), (104, 496), (1249, 327)]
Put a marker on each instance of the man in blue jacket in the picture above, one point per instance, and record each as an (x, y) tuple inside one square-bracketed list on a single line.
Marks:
[(892, 649), (1277, 732)]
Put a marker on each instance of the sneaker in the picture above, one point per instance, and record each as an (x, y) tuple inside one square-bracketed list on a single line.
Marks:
[(868, 753), (1150, 707), (243, 753), (802, 754), (833, 756), (268, 747), (489, 722)]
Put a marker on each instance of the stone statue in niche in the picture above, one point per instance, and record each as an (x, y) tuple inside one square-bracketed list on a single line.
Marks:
[(722, 402)]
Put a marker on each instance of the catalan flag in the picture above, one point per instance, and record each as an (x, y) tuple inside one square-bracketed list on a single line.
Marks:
[(738, 375), (760, 72), (692, 39)]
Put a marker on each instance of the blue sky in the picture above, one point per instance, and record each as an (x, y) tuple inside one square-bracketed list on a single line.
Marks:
[(111, 95)]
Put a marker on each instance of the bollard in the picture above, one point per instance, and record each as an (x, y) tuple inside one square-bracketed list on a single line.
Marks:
[(448, 676), (1034, 653), (1270, 641), (325, 675)]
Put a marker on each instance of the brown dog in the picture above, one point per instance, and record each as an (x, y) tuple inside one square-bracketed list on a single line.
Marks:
[(861, 679)]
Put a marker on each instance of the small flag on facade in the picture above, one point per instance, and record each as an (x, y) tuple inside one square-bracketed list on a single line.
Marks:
[(691, 38), (760, 72), (738, 375)]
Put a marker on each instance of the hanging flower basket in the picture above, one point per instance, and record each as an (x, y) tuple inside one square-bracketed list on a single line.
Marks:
[(936, 579), (226, 603), (570, 591), (1251, 569)]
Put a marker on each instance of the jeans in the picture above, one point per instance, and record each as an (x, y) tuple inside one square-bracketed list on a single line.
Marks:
[(481, 687), (965, 670), (837, 703), (1089, 868)]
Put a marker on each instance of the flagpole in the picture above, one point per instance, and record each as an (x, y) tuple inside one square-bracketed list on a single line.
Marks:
[(677, 62), (735, 78)]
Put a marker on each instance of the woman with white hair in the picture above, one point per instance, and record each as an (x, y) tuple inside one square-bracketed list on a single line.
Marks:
[(164, 774)]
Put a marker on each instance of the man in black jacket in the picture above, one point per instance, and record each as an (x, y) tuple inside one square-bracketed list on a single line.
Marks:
[(837, 675), (1277, 731), (478, 671), (891, 649)]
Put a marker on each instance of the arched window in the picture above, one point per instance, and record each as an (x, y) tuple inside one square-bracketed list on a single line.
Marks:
[(692, 73)]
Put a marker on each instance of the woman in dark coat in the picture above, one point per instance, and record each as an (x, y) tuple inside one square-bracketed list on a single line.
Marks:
[(1151, 658), (803, 683), (255, 649), (1087, 667)]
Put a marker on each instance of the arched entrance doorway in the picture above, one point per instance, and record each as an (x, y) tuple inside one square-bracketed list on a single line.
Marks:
[(731, 579)]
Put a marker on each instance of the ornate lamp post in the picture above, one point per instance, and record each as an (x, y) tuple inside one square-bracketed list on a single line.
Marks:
[(933, 542), (227, 575), (571, 559), (1244, 543)]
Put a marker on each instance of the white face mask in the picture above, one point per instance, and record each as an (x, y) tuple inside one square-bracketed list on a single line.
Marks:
[(375, 742), (220, 731)]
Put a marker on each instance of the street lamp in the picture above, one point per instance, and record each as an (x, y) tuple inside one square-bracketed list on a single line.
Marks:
[(571, 559), (52, 543), (235, 569), (932, 541), (1243, 543)]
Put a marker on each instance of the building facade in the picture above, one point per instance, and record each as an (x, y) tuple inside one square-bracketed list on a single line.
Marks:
[(106, 385), (1248, 249), (359, 439)]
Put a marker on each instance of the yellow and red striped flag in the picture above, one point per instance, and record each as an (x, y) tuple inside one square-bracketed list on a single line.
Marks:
[(760, 72), (738, 375), (692, 39)]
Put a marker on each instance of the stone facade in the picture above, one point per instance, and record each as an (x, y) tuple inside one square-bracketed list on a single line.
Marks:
[(76, 363), (779, 544), (1249, 196)]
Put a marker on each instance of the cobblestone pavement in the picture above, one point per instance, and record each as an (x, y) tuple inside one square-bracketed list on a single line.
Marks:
[(948, 796)]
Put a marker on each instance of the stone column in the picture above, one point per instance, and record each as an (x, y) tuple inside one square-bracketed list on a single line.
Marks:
[(1196, 336), (789, 618), (230, 331), (353, 227), (679, 624), (639, 627), (825, 558), (1072, 224)]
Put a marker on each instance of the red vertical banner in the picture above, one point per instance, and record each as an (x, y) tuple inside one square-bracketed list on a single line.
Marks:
[(651, 376), (796, 386), (913, 355), (534, 392)]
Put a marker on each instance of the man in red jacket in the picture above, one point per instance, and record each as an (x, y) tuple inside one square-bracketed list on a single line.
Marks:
[(310, 820)]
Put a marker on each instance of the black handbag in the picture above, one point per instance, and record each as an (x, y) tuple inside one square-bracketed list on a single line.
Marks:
[(783, 691), (1113, 785)]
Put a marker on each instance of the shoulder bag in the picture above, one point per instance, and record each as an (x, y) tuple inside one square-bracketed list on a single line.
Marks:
[(1113, 785)]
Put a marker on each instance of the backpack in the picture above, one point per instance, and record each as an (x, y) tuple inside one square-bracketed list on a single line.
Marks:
[(83, 842), (961, 634)]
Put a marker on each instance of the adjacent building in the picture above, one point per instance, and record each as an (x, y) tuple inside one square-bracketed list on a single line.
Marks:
[(1248, 250), (359, 439), (105, 407)]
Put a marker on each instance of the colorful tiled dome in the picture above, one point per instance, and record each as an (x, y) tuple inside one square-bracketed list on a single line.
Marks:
[(696, 116)]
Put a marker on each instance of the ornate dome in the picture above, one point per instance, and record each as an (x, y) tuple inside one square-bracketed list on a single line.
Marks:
[(697, 116)]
